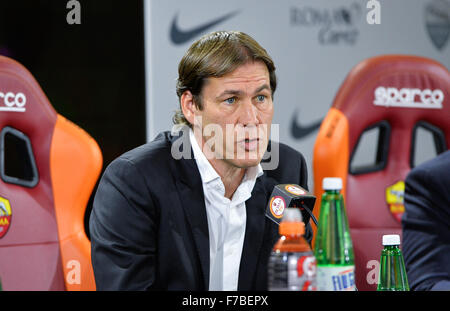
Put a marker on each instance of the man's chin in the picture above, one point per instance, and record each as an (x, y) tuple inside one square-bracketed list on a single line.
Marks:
[(246, 162)]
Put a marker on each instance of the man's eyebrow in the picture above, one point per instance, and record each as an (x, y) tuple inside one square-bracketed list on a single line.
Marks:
[(263, 87), (238, 92), (230, 92)]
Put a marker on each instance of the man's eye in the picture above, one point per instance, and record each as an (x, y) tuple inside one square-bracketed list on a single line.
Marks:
[(230, 101), (260, 98)]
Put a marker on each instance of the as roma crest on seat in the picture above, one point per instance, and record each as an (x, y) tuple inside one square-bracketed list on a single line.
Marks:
[(394, 198), (5, 216)]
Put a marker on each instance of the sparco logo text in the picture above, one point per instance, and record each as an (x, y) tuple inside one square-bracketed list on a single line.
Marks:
[(408, 98), (12, 102)]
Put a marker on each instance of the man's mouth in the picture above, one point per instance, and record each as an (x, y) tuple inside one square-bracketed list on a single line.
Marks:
[(250, 144)]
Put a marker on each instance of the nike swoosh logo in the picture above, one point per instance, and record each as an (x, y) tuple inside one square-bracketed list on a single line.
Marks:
[(299, 131), (178, 36)]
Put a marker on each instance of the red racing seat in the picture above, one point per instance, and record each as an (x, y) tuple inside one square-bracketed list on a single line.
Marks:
[(48, 168), (393, 96)]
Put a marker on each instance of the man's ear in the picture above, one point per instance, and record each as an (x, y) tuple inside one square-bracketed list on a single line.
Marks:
[(188, 106)]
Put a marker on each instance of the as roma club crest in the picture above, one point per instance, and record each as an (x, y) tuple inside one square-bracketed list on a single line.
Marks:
[(5, 216), (293, 189), (277, 206), (394, 199)]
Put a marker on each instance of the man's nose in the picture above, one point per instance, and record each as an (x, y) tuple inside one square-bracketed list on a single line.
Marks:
[(248, 114)]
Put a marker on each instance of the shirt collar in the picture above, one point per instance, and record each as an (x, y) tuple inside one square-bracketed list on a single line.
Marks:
[(207, 172)]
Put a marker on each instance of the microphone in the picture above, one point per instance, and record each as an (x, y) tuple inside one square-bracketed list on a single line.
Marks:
[(290, 195)]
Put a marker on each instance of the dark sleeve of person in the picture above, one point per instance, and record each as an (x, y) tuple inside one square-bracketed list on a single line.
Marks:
[(123, 230), (426, 233)]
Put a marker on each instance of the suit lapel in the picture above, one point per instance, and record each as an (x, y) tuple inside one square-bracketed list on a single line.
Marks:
[(194, 206), (254, 235), (192, 199)]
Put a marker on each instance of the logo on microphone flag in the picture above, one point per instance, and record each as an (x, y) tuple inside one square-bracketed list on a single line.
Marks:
[(277, 205), (294, 189), (5, 216), (394, 198)]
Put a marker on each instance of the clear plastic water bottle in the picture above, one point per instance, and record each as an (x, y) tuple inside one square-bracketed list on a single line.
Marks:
[(292, 265)]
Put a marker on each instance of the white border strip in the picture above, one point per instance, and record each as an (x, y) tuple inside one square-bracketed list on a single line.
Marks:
[(12, 109)]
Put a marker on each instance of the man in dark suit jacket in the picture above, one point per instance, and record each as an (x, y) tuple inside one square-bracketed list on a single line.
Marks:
[(426, 225), (152, 217)]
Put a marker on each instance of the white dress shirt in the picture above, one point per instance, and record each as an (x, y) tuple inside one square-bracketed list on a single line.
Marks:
[(226, 220)]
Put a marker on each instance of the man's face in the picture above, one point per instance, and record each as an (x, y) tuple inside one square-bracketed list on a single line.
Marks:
[(239, 106)]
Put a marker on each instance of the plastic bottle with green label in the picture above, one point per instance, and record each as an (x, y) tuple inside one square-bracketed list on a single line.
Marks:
[(392, 275), (333, 247)]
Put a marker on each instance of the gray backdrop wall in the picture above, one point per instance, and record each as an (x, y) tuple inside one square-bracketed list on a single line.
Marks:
[(314, 44)]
